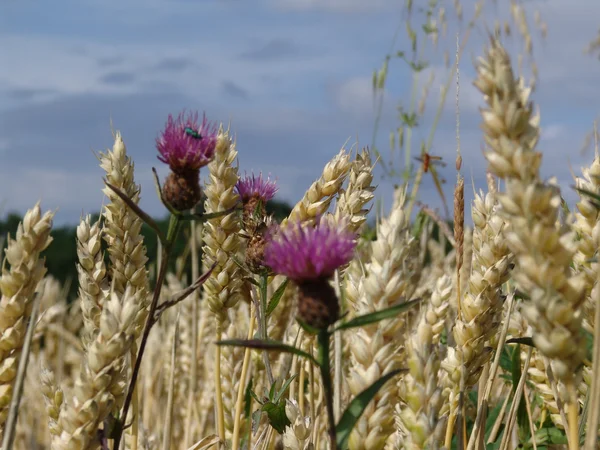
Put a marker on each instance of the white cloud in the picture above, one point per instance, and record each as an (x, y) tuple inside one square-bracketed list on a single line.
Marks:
[(553, 131), (355, 96)]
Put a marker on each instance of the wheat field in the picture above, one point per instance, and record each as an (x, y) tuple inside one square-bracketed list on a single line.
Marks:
[(322, 331)]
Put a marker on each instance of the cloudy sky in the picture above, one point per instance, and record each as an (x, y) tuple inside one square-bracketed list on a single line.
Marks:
[(292, 76)]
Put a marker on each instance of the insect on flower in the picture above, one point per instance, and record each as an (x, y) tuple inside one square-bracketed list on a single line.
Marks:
[(192, 133)]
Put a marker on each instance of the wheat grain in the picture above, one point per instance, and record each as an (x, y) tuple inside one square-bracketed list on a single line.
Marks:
[(100, 381), (18, 285), (91, 270), (122, 232), (321, 193), (543, 250)]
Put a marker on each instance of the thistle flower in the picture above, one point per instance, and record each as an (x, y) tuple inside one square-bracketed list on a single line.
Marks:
[(186, 147), (255, 192), (309, 256)]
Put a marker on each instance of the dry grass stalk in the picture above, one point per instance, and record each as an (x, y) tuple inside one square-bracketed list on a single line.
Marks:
[(465, 270), (459, 233), (18, 285), (232, 359)]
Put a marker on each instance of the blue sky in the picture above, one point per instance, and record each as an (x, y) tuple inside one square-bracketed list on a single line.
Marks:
[(292, 76)]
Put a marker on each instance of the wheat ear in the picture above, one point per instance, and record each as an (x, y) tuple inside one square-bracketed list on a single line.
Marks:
[(543, 250), (18, 285), (221, 240)]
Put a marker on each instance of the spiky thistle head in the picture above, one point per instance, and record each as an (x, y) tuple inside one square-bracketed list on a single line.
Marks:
[(185, 146), (309, 256), (255, 192)]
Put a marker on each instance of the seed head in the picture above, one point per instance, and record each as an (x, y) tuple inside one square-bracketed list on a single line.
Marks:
[(182, 190)]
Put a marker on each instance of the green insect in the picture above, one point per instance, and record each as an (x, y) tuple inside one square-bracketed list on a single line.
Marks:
[(193, 133)]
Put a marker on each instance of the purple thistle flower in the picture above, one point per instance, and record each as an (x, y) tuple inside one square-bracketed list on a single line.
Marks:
[(303, 253), (184, 145), (253, 186)]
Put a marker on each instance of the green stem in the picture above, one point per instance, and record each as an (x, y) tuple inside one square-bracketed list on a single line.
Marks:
[(324, 366), (263, 323)]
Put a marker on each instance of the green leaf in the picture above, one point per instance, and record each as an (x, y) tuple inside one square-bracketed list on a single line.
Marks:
[(248, 394), (587, 193), (251, 280), (589, 341), (506, 359), (522, 295), (270, 345), (209, 216), (491, 419), (557, 436), (255, 397), (276, 415), (516, 376), (284, 388), (272, 391), (378, 316), (308, 328), (256, 416), (356, 408), (276, 297), (420, 222), (524, 340)]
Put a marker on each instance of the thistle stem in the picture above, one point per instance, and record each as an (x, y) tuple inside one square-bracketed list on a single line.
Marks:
[(174, 226), (262, 314), (324, 366)]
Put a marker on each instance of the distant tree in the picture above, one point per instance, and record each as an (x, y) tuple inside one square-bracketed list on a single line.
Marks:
[(61, 256)]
